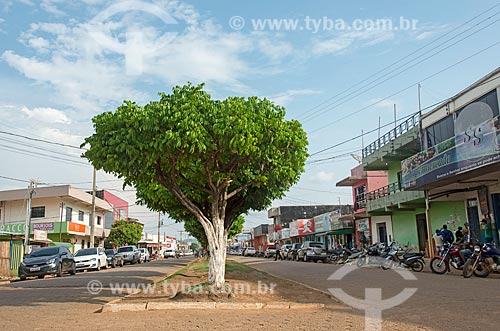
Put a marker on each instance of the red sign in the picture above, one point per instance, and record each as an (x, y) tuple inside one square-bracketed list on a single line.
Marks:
[(168, 245), (305, 226), (75, 227)]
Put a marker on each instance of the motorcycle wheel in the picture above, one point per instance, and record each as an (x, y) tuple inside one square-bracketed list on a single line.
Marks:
[(439, 265), (387, 264), (417, 266), (468, 269), (361, 262), (482, 270)]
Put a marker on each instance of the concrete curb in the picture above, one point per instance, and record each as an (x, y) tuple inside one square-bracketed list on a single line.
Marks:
[(113, 307)]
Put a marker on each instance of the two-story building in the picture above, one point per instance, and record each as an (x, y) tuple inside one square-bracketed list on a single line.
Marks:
[(459, 164), (362, 182), (62, 212)]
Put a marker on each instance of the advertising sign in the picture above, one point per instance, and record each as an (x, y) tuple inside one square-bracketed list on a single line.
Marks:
[(294, 230), (39, 235), (475, 147), (76, 228), (322, 223), (13, 228), (44, 226), (305, 226)]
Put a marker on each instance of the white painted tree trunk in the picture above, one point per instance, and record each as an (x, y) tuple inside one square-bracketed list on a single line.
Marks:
[(217, 262)]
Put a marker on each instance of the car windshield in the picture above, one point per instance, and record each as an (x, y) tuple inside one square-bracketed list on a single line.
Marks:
[(88, 251), (45, 252), (125, 249), (319, 245), (109, 252)]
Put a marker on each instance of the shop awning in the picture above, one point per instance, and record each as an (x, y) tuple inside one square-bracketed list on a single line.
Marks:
[(341, 231)]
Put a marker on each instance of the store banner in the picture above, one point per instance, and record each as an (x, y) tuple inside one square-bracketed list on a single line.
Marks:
[(44, 226), (18, 228), (363, 225), (305, 226), (294, 230), (475, 147), (76, 228), (322, 223)]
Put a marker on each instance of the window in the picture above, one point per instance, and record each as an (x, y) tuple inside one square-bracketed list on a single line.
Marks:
[(69, 212), (37, 212), (360, 193), (440, 131), (80, 215), (98, 220)]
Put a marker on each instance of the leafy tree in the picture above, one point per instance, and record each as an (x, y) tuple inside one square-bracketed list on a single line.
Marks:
[(195, 228), (194, 246), (194, 157), (123, 232)]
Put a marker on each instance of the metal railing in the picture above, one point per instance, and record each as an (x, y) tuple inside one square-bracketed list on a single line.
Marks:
[(391, 135), (360, 204), (384, 191)]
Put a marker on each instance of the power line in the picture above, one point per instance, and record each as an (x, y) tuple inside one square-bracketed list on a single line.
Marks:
[(43, 156), (41, 140), (15, 179), (308, 117), (410, 86)]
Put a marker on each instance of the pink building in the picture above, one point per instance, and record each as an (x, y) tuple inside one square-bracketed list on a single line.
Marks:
[(362, 182), (120, 207)]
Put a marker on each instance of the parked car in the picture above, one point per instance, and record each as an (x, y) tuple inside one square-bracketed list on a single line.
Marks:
[(91, 259), (270, 251), (47, 261), (145, 257), (312, 251), (130, 254), (242, 252), (293, 251), (169, 253), (250, 251), (284, 250), (113, 258)]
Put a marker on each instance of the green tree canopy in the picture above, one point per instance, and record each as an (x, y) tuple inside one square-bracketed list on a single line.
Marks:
[(194, 157), (124, 232)]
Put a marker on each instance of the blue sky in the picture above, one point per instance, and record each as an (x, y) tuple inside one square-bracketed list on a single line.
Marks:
[(63, 62)]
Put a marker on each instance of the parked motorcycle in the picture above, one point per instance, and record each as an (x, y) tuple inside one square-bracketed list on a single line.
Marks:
[(414, 261), (484, 260), (371, 254), (449, 256)]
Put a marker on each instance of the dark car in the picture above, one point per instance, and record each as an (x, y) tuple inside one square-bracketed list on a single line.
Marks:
[(113, 258), (293, 252), (47, 261)]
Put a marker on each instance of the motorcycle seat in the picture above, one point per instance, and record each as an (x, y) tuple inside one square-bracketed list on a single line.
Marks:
[(409, 255)]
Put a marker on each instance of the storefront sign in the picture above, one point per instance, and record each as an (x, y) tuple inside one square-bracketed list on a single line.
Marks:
[(75, 227), (39, 235), (285, 233), (294, 230), (44, 226), (476, 147), (322, 223), (363, 225), (305, 226), (13, 228)]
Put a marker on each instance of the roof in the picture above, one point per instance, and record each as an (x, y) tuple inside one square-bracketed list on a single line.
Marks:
[(62, 191)]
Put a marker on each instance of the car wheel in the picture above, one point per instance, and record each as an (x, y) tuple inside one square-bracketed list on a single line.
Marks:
[(59, 270), (305, 258), (22, 277), (315, 261), (113, 264), (73, 270), (98, 266), (41, 277), (122, 264)]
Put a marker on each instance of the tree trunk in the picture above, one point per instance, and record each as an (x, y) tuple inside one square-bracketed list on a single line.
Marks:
[(217, 262)]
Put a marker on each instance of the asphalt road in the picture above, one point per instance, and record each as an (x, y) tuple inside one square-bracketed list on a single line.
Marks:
[(447, 302), (75, 289)]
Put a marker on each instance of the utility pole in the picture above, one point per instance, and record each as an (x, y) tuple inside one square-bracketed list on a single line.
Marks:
[(92, 219), (159, 224), (395, 120), (31, 191), (60, 222)]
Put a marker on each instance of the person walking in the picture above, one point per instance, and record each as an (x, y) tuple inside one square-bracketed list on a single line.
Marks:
[(438, 241), (486, 233), (276, 255)]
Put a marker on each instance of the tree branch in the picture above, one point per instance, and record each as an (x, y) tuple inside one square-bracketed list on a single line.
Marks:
[(241, 188)]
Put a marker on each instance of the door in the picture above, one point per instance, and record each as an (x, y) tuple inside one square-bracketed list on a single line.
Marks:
[(422, 232), (473, 219), (382, 232)]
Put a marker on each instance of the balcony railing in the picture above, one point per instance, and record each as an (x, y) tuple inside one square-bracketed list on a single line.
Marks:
[(384, 191), (391, 135)]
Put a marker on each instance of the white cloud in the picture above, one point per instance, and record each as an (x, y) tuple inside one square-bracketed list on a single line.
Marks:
[(47, 115), (350, 40), (383, 103), (50, 6), (284, 98), (323, 177)]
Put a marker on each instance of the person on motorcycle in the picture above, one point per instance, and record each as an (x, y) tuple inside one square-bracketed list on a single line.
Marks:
[(466, 243), (447, 235)]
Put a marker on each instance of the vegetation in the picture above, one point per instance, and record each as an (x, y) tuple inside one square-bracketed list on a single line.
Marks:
[(125, 233)]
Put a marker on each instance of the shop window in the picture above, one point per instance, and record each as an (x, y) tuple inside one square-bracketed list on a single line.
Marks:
[(38, 212)]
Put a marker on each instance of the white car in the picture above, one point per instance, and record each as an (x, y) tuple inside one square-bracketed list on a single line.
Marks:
[(145, 257), (250, 251), (169, 253), (91, 259)]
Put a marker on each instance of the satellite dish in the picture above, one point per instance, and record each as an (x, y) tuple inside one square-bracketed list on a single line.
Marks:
[(357, 158)]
